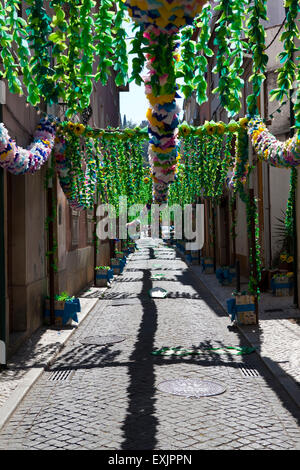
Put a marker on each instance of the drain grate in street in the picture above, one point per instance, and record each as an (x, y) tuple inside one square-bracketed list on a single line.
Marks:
[(61, 375), (102, 340), (191, 388), (248, 371)]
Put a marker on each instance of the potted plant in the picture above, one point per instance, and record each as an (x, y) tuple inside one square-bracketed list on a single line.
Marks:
[(282, 284), (65, 309), (207, 265), (242, 308), (117, 265), (102, 275)]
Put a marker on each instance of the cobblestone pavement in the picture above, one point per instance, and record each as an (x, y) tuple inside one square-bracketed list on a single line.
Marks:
[(278, 333), (36, 351), (109, 398)]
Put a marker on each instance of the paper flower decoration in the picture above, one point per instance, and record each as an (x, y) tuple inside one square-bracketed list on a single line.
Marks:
[(18, 160), (165, 15), (280, 154), (161, 20)]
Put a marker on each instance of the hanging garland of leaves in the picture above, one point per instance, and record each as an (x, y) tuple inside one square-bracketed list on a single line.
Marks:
[(120, 58), (229, 59), (287, 73), (203, 51), (13, 30), (138, 48), (39, 29), (59, 48), (185, 67), (256, 39), (103, 40), (202, 168), (239, 180), (289, 215)]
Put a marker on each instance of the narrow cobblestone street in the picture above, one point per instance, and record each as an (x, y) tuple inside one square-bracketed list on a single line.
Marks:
[(109, 398)]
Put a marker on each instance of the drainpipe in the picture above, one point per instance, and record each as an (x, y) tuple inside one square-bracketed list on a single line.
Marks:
[(2, 270)]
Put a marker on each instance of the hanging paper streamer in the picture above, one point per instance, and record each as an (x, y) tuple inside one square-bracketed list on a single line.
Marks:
[(277, 153), (162, 113), (18, 160), (161, 20), (79, 188)]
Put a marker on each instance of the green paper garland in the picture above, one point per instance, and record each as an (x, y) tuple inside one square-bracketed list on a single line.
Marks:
[(287, 73), (256, 35), (13, 29), (230, 54)]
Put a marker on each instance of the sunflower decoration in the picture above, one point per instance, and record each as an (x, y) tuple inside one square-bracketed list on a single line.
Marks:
[(244, 123), (221, 127), (146, 180), (185, 129), (89, 133), (71, 126), (233, 126), (79, 129), (210, 127)]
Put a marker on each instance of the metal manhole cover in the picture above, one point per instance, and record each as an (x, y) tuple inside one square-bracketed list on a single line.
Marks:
[(102, 340), (191, 388)]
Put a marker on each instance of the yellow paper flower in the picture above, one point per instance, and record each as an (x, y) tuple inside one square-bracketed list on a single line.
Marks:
[(146, 180), (244, 122), (199, 131), (79, 129), (210, 127), (290, 259), (71, 126), (220, 128), (283, 257), (185, 128), (233, 126)]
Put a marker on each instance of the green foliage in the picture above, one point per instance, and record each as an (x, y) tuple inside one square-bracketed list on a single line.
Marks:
[(229, 60), (64, 297), (103, 40), (13, 30), (256, 38), (202, 52), (120, 58), (287, 73)]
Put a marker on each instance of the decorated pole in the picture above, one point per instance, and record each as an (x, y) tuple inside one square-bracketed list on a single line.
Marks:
[(2, 270), (161, 21)]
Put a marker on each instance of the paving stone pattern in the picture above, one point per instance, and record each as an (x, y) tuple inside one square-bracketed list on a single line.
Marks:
[(278, 334), (110, 398)]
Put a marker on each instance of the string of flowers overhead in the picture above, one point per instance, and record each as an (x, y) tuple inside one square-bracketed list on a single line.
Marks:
[(18, 160), (280, 154)]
